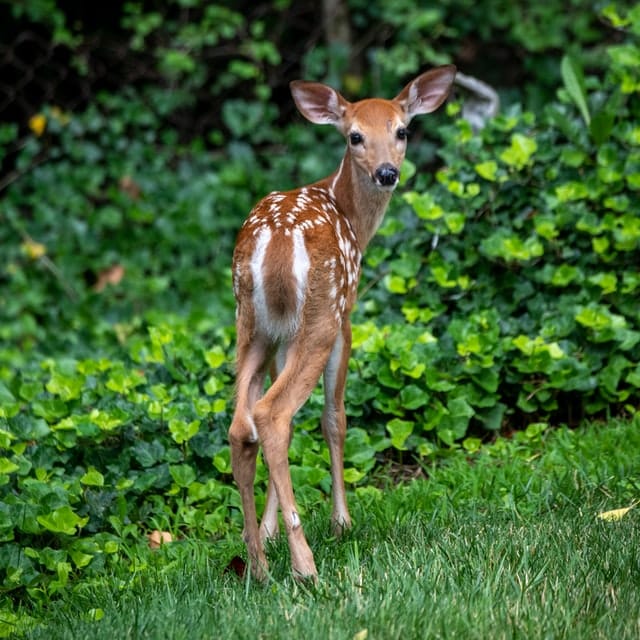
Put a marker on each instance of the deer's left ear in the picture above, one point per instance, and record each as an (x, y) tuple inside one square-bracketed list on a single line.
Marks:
[(427, 92)]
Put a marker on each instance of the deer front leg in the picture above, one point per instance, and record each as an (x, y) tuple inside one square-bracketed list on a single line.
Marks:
[(334, 424)]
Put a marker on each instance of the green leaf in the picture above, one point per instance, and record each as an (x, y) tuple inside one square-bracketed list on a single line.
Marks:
[(573, 79), (183, 431), (213, 385), (487, 170), (602, 125), (564, 275), (598, 317), (358, 449), (175, 62), (351, 475), (413, 397), (30, 390), (123, 381), (571, 191), (406, 265), (215, 357), (634, 377), (395, 284), (610, 376), (608, 282), (492, 418), (424, 205), (68, 387), (50, 409), (460, 408), (92, 478), (222, 460), (80, 559), (520, 152), (7, 466), (509, 246), (399, 430), (62, 520), (183, 474), (407, 171), (5, 394), (107, 420), (9, 406), (455, 221), (472, 444)]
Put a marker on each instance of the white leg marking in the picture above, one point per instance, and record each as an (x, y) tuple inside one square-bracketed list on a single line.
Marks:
[(254, 431)]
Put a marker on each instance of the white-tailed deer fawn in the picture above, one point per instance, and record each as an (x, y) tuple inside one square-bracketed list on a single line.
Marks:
[(296, 268)]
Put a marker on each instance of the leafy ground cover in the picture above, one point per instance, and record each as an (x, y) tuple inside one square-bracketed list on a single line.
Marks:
[(529, 537)]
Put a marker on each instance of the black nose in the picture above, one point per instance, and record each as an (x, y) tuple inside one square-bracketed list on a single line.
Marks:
[(386, 175)]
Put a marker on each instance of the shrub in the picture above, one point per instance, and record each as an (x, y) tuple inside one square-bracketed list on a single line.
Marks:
[(510, 287)]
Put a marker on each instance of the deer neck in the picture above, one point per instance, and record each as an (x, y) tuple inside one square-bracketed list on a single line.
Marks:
[(358, 199)]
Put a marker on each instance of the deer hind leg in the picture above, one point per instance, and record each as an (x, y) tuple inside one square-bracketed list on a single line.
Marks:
[(273, 415), (269, 524), (243, 436), (334, 424)]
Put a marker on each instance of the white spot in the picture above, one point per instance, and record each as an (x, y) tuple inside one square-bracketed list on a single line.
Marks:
[(303, 199), (295, 520)]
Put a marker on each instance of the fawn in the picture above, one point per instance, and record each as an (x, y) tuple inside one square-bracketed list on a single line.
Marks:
[(296, 267)]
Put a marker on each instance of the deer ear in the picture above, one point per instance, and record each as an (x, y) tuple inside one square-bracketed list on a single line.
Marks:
[(427, 92), (318, 103)]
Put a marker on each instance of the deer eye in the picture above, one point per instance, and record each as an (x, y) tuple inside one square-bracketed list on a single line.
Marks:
[(355, 138), (402, 133)]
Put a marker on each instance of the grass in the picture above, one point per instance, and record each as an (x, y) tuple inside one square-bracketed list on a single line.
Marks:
[(506, 543)]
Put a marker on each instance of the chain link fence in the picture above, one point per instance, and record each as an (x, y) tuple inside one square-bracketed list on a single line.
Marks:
[(35, 71)]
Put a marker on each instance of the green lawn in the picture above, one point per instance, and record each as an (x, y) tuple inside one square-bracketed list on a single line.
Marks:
[(504, 543)]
